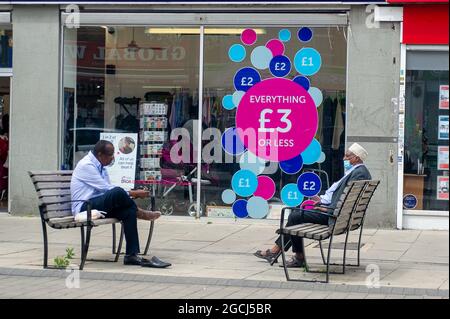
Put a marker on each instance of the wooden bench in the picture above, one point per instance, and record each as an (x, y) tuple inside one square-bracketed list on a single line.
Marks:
[(55, 208), (340, 216), (357, 220)]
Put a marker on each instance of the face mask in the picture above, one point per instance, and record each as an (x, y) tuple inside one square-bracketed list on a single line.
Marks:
[(347, 165)]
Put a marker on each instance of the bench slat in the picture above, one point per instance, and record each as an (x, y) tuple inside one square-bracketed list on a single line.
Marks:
[(56, 207), (51, 178), (58, 214), (47, 200), (37, 173), (51, 185), (53, 192)]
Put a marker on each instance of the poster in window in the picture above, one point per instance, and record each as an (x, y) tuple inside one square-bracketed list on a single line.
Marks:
[(442, 187), (443, 127), (442, 157), (443, 97)]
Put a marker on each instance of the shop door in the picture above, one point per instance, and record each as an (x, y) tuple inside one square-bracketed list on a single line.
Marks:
[(426, 180)]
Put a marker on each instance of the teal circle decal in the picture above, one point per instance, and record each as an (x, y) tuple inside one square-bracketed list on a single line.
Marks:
[(227, 102), (291, 196), (307, 61), (244, 183), (237, 53), (284, 35)]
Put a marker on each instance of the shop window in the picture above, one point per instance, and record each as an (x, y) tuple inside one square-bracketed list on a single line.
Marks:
[(6, 47), (144, 81), (426, 132)]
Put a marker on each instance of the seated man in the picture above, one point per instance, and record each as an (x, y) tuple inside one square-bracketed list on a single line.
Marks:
[(354, 170), (90, 181)]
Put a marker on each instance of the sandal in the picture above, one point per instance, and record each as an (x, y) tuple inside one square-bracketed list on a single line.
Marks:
[(268, 255), (295, 263)]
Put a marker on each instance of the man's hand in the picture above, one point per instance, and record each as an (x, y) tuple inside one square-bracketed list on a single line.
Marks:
[(139, 193), (316, 199)]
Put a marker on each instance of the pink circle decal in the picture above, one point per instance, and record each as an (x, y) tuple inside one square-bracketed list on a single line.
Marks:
[(276, 46), (308, 204), (266, 187), (276, 119), (248, 36)]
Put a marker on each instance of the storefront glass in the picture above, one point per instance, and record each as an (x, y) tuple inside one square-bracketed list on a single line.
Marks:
[(6, 45), (426, 132), (110, 71)]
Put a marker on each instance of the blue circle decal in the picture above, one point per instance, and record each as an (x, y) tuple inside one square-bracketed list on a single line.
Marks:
[(244, 183), (409, 201), (307, 61), (231, 142), (291, 196), (303, 81), (305, 34), (245, 78), (261, 57), (280, 66), (240, 208), (309, 184), (292, 166)]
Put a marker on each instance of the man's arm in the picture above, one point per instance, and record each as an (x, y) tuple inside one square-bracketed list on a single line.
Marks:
[(90, 175)]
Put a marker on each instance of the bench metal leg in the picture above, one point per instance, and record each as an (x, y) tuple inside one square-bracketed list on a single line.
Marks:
[(119, 246), (149, 238), (113, 239), (85, 244), (44, 233), (286, 272)]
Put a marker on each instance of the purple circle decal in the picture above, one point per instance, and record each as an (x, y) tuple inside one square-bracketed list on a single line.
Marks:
[(248, 36), (276, 46), (266, 187)]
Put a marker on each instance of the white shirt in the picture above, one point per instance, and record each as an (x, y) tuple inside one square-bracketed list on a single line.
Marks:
[(89, 179), (326, 198)]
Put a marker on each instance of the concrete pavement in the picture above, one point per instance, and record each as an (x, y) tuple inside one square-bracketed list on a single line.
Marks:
[(212, 258)]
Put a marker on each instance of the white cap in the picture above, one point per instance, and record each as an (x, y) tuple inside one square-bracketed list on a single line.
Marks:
[(359, 151)]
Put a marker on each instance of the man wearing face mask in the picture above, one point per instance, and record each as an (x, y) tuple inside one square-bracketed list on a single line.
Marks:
[(90, 181), (354, 170)]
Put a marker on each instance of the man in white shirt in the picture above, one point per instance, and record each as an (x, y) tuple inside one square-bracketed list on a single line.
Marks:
[(354, 170), (90, 181)]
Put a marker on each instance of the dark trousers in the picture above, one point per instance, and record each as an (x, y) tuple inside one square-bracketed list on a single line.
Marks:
[(296, 218), (118, 204)]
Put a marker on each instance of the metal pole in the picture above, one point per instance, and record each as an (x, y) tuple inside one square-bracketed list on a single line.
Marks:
[(200, 117)]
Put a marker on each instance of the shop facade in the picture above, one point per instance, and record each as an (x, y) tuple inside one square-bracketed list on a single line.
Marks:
[(104, 70), (423, 121)]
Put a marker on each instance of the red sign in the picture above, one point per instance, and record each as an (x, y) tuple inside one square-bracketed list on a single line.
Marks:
[(425, 24)]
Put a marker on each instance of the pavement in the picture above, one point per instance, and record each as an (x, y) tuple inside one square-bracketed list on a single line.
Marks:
[(213, 258)]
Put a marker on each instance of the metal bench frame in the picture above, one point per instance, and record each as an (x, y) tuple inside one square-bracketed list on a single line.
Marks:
[(53, 190), (357, 220), (341, 214)]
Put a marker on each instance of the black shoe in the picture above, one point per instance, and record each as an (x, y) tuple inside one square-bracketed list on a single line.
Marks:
[(155, 262), (133, 260)]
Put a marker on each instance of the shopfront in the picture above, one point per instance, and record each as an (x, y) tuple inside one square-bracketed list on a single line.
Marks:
[(424, 127), (157, 82), (165, 82)]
